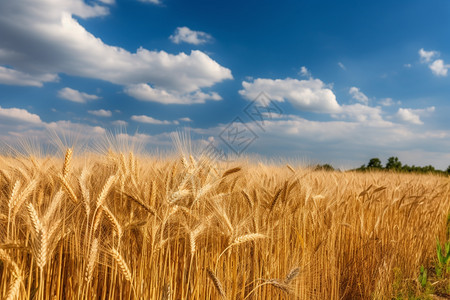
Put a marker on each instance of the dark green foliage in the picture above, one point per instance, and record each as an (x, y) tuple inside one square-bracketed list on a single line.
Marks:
[(375, 163), (394, 164)]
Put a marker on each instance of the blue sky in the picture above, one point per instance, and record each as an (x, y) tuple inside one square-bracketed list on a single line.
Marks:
[(351, 79)]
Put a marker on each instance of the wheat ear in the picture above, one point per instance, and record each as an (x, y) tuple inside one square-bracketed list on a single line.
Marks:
[(275, 199), (69, 190), (22, 197), (41, 237), (122, 264), (216, 282), (240, 240), (291, 275), (82, 181), (102, 196), (110, 216), (13, 290), (290, 168), (91, 262), (231, 171), (67, 161), (167, 293)]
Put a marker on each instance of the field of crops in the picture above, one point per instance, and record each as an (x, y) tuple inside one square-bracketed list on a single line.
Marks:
[(127, 226)]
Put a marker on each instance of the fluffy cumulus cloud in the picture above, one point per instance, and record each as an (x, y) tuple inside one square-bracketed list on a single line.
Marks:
[(358, 95), (184, 34), (150, 120), (307, 95), (412, 116), (100, 113), (20, 115), (363, 114), (61, 45), (426, 56), (437, 66), (75, 96)]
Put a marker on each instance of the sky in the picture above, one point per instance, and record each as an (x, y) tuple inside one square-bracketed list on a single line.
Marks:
[(319, 81)]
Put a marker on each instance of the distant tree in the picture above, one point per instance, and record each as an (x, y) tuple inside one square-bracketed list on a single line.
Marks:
[(374, 163), (393, 163), (448, 170), (406, 168), (428, 169), (325, 167)]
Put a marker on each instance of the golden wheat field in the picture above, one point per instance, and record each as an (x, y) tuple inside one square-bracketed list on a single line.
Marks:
[(127, 226)]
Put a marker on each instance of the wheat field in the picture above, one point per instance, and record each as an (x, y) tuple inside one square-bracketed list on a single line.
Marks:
[(121, 225)]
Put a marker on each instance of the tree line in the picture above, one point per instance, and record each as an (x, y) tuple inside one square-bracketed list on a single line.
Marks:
[(394, 164)]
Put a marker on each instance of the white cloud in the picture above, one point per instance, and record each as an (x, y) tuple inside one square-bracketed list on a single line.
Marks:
[(308, 95), (17, 124), (358, 95), (363, 114), (145, 92), (426, 56), (410, 115), (344, 142), (305, 72), (18, 114), (151, 1), (388, 102), (100, 113), (341, 65), (439, 68), (184, 34), (185, 119), (42, 37), (13, 77), (407, 66), (75, 96), (150, 120), (119, 123)]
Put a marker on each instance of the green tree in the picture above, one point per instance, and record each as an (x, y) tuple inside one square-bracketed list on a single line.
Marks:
[(374, 163), (393, 163), (448, 170)]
